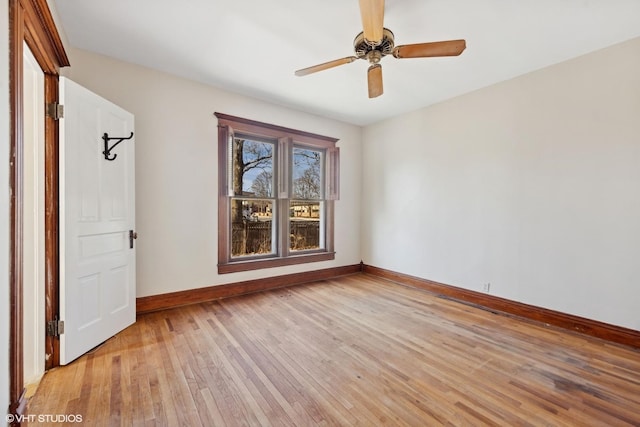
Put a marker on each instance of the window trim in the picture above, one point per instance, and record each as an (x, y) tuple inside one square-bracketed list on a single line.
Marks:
[(227, 125)]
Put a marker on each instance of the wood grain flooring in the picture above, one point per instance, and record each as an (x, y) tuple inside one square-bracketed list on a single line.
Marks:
[(355, 350)]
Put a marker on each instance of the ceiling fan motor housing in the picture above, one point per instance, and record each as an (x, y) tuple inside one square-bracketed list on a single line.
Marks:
[(373, 52)]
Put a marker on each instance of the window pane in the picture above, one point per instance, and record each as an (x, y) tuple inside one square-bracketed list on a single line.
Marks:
[(251, 227), (307, 173), (252, 168), (304, 225)]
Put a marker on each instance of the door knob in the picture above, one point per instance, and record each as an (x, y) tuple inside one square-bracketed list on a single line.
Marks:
[(132, 236)]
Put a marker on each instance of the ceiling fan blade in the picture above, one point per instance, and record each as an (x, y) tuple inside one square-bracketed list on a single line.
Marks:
[(325, 66), (372, 12), (424, 50), (374, 80)]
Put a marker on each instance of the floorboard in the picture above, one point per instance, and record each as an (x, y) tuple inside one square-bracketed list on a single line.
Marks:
[(356, 350)]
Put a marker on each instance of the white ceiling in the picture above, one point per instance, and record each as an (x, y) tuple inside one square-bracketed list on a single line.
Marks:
[(253, 47)]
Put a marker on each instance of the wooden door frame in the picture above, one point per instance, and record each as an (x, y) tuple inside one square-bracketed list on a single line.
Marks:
[(30, 21)]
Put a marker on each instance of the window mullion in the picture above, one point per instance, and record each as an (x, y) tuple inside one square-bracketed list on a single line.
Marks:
[(284, 193), (284, 176), (283, 227)]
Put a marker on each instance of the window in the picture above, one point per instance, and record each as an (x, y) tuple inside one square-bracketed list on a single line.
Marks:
[(277, 188)]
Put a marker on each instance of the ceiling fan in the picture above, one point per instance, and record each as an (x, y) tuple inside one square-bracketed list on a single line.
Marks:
[(376, 42)]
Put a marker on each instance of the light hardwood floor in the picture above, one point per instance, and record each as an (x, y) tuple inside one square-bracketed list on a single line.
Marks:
[(357, 350)]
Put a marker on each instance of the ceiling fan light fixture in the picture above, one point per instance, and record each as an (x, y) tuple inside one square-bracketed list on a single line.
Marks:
[(374, 56)]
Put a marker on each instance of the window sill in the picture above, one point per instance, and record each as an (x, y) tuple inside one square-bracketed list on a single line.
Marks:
[(237, 266)]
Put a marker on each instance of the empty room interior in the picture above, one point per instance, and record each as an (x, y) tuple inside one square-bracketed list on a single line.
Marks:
[(415, 212)]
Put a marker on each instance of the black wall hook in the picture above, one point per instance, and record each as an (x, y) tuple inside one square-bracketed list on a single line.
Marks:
[(107, 149)]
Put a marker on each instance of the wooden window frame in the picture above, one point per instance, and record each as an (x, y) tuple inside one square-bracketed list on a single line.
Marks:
[(286, 137)]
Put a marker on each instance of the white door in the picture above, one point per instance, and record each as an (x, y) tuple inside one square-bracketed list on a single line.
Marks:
[(97, 212)]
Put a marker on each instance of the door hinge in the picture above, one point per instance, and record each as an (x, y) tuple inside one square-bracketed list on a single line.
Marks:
[(55, 327), (55, 111)]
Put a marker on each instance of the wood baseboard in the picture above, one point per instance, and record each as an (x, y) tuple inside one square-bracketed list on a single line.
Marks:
[(176, 299), (594, 328)]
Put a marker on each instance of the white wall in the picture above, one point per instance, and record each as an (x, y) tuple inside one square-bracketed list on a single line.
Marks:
[(4, 209), (176, 170), (532, 185)]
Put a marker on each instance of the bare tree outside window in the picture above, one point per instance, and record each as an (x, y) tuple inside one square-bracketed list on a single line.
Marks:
[(252, 179), (306, 208), (262, 186), (249, 157)]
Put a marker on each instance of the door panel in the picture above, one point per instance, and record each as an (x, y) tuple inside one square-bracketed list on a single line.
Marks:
[(97, 210)]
